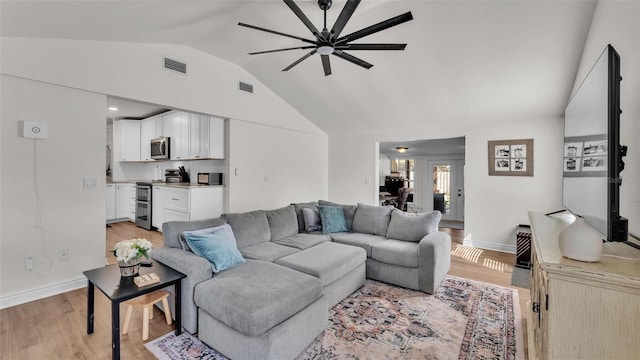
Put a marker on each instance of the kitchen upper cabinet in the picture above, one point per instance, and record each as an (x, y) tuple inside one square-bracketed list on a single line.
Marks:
[(198, 136), (127, 140), (150, 128), (179, 134), (111, 201), (206, 137), (192, 136), (216, 138)]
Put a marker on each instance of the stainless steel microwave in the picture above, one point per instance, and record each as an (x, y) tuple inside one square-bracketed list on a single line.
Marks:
[(160, 148)]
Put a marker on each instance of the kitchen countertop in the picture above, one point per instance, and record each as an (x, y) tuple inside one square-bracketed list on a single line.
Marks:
[(165, 184)]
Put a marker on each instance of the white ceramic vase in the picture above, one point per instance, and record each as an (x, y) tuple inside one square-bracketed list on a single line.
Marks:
[(578, 241)]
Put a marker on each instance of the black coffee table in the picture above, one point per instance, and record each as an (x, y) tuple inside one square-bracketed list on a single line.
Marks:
[(119, 289)]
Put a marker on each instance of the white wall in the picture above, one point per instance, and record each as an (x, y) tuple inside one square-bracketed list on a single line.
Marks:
[(271, 167), (616, 23), (133, 70), (71, 217), (494, 205)]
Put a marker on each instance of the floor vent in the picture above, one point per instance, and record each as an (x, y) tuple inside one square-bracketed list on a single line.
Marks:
[(175, 65), (246, 87)]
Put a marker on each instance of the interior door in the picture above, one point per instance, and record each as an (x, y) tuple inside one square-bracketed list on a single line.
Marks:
[(446, 181)]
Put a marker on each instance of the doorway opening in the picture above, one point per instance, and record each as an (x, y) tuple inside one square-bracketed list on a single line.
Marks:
[(432, 170)]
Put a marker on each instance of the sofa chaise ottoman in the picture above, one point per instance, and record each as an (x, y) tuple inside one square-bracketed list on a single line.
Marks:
[(260, 310)]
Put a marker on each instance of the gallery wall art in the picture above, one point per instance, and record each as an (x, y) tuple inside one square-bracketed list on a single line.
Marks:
[(511, 157)]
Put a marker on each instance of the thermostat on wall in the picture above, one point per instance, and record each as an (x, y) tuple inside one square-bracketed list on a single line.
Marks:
[(34, 129)]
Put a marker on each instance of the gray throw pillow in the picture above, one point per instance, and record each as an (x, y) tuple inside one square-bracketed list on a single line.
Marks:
[(298, 207), (349, 211), (372, 219), (250, 228), (311, 220), (412, 227), (282, 222)]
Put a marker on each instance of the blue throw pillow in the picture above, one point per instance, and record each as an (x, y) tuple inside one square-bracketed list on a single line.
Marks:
[(217, 247), (332, 219)]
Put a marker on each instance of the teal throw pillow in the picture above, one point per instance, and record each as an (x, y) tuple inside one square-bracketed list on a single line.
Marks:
[(217, 247), (332, 219)]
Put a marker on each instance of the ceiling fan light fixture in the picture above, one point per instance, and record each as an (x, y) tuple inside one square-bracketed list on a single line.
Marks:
[(402, 149), (330, 41), (325, 50)]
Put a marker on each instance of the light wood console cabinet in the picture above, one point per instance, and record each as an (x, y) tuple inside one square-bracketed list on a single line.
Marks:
[(581, 310)]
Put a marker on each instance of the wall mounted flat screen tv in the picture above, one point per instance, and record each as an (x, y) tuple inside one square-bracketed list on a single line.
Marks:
[(592, 154)]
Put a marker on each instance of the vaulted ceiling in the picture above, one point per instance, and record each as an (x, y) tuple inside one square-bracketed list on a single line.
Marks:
[(465, 62)]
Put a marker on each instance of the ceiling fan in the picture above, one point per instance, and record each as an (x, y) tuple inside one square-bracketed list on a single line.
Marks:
[(329, 42)]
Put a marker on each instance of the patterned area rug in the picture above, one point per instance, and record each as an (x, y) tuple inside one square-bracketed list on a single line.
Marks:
[(464, 320)]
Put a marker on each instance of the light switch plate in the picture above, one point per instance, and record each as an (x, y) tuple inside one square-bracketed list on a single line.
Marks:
[(34, 129), (90, 182)]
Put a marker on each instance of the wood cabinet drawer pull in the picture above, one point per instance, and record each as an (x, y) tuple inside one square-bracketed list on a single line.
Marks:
[(535, 307)]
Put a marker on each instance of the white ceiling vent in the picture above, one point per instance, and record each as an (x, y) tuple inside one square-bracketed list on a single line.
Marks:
[(174, 65), (246, 87)]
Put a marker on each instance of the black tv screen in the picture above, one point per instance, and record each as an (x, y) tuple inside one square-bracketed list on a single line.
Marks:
[(592, 154)]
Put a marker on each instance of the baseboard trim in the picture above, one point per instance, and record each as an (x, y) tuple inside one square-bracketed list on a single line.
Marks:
[(42, 292), (505, 248)]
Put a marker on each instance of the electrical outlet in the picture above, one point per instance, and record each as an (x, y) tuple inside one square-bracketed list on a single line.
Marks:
[(28, 262), (63, 254)]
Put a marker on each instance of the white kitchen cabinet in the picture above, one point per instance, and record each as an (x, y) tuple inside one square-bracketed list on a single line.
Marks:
[(149, 129), (125, 195), (174, 215), (111, 201), (157, 206), (198, 136), (186, 203), (206, 137), (127, 140), (177, 199), (192, 136), (216, 138), (132, 203), (179, 133), (165, 124)]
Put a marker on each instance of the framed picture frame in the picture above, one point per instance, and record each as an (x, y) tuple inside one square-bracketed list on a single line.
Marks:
[(511, 157)]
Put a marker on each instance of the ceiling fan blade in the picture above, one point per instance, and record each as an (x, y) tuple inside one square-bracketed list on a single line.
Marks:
[(344, 16), (371, 46), (292, 48), (376, 27), (276, 32), (350, 58), (326, 65), (302, 17), (300, 60)]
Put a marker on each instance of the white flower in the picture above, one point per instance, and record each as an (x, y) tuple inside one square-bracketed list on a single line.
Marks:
[(126, 250)]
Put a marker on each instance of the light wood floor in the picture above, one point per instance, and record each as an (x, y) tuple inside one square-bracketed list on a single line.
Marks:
[(55, 327)]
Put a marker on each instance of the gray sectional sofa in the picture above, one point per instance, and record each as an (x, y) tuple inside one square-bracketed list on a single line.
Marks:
[(276, 303)]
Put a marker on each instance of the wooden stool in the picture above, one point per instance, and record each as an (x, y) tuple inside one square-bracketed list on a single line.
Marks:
[(147, 301)]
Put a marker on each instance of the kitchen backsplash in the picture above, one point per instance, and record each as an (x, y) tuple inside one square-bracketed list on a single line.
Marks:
[(155, 170)]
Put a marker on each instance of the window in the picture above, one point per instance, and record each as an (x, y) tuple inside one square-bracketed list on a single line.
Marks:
[(405, 170)]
